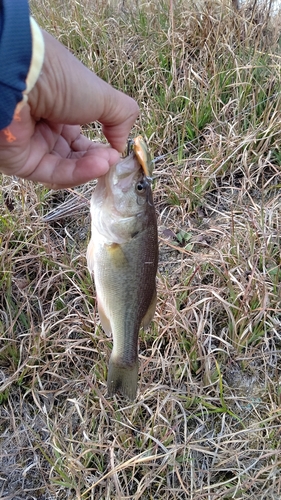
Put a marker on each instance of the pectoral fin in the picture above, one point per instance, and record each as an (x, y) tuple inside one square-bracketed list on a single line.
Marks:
[(150, 311), (117, 256)]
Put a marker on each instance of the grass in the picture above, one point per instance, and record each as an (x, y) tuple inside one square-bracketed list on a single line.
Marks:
[(206, 423)]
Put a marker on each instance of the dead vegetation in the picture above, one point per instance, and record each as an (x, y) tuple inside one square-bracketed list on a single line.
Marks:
[(206, 423)]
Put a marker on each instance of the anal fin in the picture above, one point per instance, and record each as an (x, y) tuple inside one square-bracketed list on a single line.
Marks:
[(150, 311), (105, 322)]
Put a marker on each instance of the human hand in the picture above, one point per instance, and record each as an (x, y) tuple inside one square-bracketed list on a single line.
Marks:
[(43, 143)]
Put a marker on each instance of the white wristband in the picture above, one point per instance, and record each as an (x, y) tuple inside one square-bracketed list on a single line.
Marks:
[(36, 63)]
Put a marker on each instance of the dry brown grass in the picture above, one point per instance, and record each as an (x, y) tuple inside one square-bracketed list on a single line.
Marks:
[(206, 423)]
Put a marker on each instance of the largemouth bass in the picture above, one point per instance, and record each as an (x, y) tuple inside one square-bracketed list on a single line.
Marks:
[(123, 257)]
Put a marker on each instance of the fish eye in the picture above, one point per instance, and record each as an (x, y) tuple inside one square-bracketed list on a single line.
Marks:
[(140, 187)]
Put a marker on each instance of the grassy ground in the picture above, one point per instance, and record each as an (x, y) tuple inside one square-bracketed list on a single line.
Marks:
[(207, 420)]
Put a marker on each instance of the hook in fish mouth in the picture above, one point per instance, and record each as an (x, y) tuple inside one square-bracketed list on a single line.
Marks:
[(128, 149), (149, 179), (130, 144)]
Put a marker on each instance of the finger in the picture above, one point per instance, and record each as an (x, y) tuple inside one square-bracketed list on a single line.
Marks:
[(74, 159), (68, 92), (59, 173)]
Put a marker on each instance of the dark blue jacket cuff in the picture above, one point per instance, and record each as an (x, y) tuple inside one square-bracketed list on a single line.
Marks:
[(15, 55)]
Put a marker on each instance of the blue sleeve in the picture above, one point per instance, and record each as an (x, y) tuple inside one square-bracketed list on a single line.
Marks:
[(15, 55)]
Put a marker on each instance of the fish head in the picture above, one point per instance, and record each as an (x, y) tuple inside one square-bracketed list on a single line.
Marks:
[(129, 186), (121, 201)]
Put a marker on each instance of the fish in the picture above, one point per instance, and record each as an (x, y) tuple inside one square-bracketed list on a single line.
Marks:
[(122, 257)]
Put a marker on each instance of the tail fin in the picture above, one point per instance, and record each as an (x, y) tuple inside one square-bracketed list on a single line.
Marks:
[(123, 379)]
